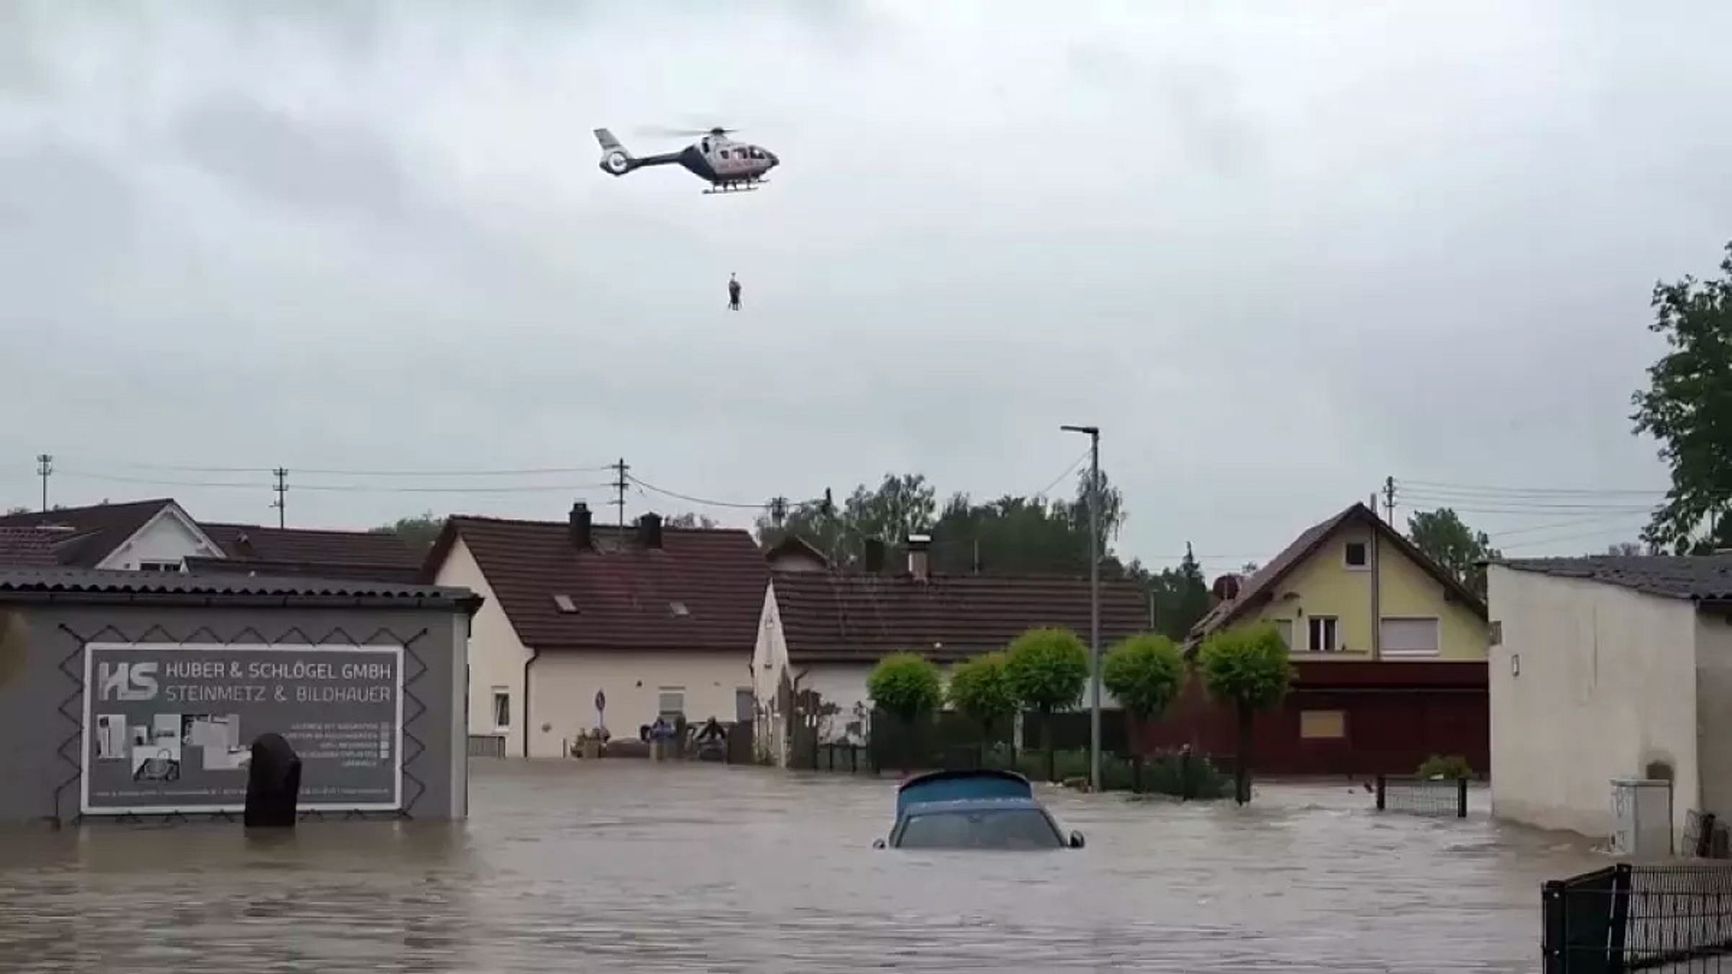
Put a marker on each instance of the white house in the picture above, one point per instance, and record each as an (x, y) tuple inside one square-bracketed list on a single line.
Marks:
[(823, 631), (150, 535), (652, 621), (1610, 667)]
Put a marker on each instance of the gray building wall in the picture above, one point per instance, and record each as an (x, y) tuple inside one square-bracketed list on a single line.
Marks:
[(42, 700)]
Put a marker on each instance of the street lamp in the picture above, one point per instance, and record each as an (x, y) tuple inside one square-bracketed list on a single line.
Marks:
[(1094, 435)]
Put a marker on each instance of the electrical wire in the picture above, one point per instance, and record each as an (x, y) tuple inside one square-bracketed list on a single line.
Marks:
[(1074, 464), (709, 502), (514, 489)]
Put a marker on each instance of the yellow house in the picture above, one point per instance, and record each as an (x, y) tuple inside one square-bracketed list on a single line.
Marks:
[(1324, 590)]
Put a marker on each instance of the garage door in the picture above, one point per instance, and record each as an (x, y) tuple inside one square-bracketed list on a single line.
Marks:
[(1409, 637)]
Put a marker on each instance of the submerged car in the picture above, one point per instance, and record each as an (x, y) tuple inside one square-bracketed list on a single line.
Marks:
[(973, 810)]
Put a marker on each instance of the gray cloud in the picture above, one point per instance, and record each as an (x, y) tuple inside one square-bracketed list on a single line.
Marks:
[(1276, 259)]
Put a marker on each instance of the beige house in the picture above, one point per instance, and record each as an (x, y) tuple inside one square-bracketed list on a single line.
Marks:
[(644, 620), (1610, 667)]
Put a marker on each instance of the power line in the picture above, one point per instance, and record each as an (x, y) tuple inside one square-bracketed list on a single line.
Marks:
[(696, 500), (513, 489), (344, 472), (1443, 487), (1574, 522), (1074, 464)]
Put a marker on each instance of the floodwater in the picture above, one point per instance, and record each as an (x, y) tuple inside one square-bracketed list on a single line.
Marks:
[(631, 866)]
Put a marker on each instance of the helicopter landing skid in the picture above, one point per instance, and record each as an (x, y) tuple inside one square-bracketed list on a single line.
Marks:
[(734, 187)]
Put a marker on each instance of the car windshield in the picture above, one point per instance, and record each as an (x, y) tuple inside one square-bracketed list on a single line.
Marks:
[(989, 828)]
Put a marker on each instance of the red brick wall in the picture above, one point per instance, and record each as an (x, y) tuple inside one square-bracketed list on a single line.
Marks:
[(1397, 715)]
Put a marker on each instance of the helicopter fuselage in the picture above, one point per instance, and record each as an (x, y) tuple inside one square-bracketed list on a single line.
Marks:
[(721, 161)]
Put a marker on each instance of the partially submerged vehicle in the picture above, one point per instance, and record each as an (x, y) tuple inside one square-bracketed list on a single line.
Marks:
[(973, 810)]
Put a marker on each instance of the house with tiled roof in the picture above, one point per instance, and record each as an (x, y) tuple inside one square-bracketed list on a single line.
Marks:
[(586, 625), (1389, 657), (1612, 667), (259, 550), (147, 535), (823, 631)]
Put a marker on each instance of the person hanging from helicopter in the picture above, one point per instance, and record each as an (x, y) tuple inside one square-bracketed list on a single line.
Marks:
[(733, 293)]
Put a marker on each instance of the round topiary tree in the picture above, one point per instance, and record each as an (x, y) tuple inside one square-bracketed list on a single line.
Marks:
[(1249, 669), (1046, 669), (905, 686), (980, 690), (1144, 673)]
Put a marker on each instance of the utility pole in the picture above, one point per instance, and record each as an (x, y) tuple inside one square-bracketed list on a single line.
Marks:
[(620, 485), (282, 490), (1094, 435), (44, 467), (1389, 500)]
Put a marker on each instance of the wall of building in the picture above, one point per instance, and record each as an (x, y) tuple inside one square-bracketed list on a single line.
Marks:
[(496, 655), (1323, 585), (769, 665), (39, 743), (164, 538), (563, 683), (1714, 711), (1589, 682)]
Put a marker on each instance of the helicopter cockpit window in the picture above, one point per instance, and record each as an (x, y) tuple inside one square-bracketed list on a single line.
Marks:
[(757, 153), (706, 145)]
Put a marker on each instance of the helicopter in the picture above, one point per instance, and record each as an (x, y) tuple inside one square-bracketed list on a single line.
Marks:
[(728, 165)]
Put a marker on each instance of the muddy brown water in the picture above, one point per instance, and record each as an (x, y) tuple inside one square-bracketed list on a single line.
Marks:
[(625, 865)]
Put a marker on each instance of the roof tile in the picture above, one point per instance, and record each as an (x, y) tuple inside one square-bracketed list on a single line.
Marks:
[(830, 616), (1706, 578)]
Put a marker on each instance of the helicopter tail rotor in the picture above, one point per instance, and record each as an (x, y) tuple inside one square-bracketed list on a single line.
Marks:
[(616, 159)]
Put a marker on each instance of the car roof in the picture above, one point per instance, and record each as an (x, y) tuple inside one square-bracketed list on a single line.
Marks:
[(971, 805)]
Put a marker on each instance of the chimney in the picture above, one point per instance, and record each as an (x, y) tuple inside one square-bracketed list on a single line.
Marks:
[(918, 556), (649, 530), (874, 556), (579, 529)]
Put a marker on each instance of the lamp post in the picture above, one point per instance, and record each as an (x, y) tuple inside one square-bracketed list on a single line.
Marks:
[(1094, 435)]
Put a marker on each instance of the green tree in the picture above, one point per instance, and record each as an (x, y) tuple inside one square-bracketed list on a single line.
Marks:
[(1688, 408), (1181, 597), (980, 690), (419, 532), (905, 686), (1248, 669), (1047, 669), (1443, 536), (688, 520), (1144, 673)]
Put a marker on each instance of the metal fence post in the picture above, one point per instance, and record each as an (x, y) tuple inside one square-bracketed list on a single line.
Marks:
[(1382, 791), (1554, 932), (1461, 798)]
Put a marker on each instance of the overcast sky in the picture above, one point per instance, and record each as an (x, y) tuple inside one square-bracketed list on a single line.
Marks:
[(1275, 256)]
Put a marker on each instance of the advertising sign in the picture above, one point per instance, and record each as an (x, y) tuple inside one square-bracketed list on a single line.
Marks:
[(168, 727)]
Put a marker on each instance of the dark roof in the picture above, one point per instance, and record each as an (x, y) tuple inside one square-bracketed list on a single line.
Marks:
[(830, 616), (300, 551), (101, 528), (301, 569), (703, 589), (794, 546), (38, 547), (1704, 578), (77, 584), (1259, 587)]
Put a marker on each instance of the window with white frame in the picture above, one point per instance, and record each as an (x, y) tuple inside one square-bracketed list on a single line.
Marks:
[(1325, 634), (1412, 638), (501, 708), (671, 701)]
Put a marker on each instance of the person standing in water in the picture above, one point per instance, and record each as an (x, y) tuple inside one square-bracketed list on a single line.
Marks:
[(733, 293)]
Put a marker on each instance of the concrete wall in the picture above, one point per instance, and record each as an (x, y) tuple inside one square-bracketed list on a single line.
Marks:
[(1714, 712), (1323, 585), (1606, 684), (33, 728), (496, 655), (562, 686)]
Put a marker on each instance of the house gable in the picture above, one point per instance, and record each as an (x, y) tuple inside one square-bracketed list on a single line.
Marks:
[(1315, 579), (168, 537)]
